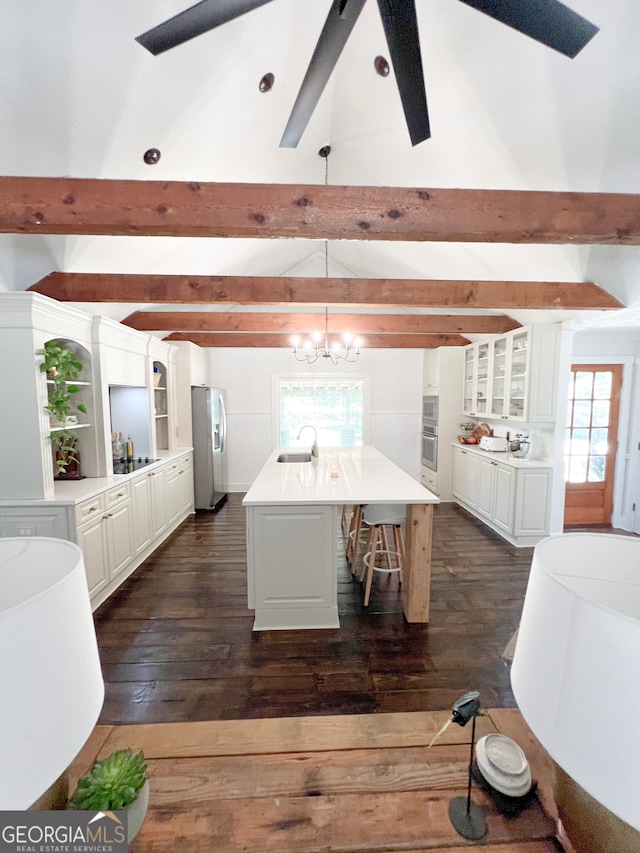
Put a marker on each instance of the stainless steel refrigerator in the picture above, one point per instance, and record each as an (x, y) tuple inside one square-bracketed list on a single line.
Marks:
[(209, 419)]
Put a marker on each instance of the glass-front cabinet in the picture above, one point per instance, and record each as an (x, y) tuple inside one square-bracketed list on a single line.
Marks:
[(476, 379), (513, 376), (518, 376), (510, 376)]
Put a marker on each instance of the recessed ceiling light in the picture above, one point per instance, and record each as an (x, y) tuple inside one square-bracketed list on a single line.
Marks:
[(151, 156), (381, 65), (266, 84)]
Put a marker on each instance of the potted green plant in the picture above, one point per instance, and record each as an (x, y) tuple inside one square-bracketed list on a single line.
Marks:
[(115, 783), (63, 368)]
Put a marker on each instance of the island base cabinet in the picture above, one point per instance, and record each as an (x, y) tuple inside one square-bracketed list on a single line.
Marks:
[(292, 566)]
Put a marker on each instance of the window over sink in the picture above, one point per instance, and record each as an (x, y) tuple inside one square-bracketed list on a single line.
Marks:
[(337, 406)]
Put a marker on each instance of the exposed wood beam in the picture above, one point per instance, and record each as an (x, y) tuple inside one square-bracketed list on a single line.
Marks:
[(248, 339), (280, 290), (181, 209), (361, 324)]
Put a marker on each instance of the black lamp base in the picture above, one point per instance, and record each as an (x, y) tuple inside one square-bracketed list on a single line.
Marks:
[(467, 819)]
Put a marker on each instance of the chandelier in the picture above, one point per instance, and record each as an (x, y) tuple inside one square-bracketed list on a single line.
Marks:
[(311, 351)]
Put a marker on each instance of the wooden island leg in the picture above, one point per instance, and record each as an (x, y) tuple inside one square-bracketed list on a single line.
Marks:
[(416, 586)]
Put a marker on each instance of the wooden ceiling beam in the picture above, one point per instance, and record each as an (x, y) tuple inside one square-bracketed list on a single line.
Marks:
[(34, 205), (349, 292), (360, 324), (264, 339)]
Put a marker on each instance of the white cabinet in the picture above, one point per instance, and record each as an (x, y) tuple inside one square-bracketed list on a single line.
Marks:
[(429, 479), (475, 380), (192, 370), (513, 376), (532, 502), (292, 566), (104, 532), (510, 496), (496, 492), (179, 487), (465, 476), (441, 378), (27, 322), (148, 508)]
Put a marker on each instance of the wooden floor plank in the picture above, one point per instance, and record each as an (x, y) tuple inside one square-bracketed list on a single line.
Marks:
[(349, 823), (293, 734)]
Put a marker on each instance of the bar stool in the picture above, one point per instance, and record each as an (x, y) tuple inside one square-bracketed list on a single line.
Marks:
[(378, 517)]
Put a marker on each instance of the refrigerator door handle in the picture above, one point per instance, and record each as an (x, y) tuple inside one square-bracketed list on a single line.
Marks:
[(223, 425)]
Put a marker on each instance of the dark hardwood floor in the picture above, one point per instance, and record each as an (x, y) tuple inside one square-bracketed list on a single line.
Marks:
[(176, 642)]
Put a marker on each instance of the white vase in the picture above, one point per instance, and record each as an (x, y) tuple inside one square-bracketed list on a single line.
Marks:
[(137, 811)]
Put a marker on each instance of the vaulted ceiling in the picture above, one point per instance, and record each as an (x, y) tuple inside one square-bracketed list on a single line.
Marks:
[(80, 97)]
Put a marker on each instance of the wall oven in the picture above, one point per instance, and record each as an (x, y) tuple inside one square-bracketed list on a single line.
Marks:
[(430, 409), (430, 444)]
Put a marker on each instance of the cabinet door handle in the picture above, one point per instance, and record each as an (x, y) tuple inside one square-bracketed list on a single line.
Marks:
[(120, 495), (151, 474), (106, 515), (93, 508)]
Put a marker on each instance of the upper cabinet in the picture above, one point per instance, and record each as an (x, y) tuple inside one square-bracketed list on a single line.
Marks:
[(513, 376), (475, 380)]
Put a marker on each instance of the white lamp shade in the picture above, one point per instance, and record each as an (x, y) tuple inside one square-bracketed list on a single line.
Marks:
[(51, 687), (576, 668)]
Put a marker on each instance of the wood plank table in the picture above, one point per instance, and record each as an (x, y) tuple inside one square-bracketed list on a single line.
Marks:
[(311, 784)]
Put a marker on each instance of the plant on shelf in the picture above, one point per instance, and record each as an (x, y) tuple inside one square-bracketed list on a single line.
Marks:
[(63, 368), (114, 783)]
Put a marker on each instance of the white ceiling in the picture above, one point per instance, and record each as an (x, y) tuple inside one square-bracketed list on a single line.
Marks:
[(79, 97)]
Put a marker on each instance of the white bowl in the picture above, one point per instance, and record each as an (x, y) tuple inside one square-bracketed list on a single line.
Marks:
[(504, 765)]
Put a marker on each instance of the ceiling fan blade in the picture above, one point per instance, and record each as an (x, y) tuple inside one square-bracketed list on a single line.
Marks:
[(194, 21), (337, 29), (401, 30), (547, 21)]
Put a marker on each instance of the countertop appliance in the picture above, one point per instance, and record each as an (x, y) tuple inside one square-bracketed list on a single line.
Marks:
[(128, 466), (209, 421), (494, 443)]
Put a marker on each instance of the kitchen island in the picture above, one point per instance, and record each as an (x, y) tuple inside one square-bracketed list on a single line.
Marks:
[(292, 524)]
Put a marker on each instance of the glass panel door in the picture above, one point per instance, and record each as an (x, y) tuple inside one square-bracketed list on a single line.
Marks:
[(591, 442), (482, 387), (469, 379), (518, 379), (499, 378)]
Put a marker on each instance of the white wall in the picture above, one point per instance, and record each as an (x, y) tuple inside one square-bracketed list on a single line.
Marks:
[(246, 375)]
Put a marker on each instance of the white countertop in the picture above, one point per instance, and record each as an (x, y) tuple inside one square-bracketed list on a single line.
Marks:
[(505, 456), (365, 476), (75, 491)]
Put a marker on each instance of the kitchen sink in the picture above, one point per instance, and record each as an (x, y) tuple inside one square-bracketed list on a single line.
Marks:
[(294, 457)]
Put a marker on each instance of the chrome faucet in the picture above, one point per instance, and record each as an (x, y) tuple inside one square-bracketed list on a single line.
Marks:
[(315, 450)]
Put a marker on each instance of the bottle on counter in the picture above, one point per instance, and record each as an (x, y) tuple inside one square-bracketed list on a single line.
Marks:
[(129, 448)]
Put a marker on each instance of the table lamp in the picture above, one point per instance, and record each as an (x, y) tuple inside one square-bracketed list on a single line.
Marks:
[(576, 679), (51, 687)]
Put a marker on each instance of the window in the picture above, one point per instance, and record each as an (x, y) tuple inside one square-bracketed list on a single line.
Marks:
[(334, 406), (588, 425)]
